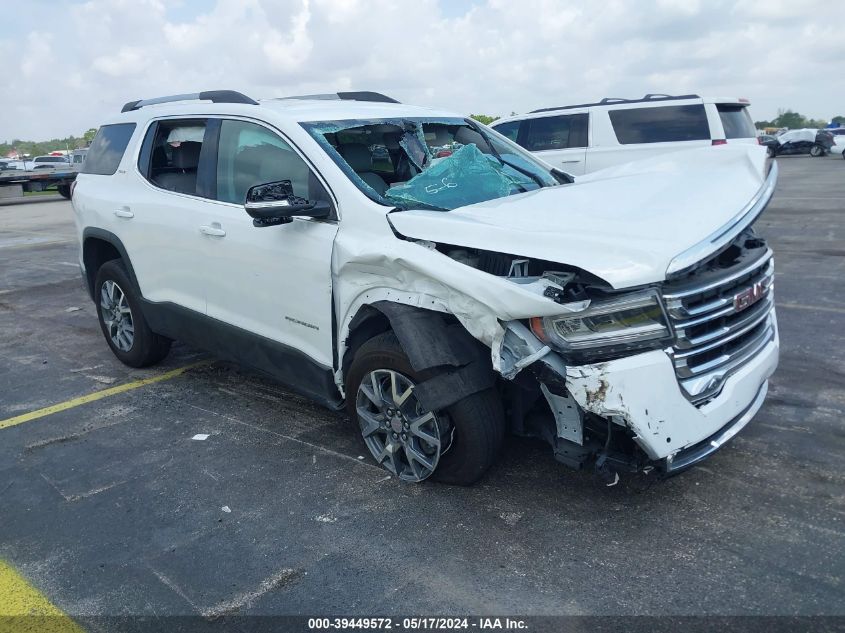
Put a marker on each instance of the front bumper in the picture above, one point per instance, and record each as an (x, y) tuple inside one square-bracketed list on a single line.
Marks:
[(690, 456), (642, 393)]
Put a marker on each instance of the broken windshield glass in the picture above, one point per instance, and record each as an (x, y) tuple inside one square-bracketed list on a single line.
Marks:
[(429, 163), (465, 177)]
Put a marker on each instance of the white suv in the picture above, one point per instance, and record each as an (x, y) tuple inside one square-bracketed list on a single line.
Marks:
[(435, 279), (583, 138)]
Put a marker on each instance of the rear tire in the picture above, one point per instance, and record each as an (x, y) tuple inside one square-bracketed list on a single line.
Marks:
[(64, 191), (473, 428), (771, 152), (816, 151), (122, 321)]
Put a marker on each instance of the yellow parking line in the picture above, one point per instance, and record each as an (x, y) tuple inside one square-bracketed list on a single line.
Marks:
[(97, 395), (23, 608), (799, 306)]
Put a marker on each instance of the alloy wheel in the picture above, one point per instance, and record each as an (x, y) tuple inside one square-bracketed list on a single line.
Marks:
[(117, 315), (401, 434)]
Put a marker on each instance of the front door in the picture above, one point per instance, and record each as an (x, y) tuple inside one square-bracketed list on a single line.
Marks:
[(274, 282), (560, 140)]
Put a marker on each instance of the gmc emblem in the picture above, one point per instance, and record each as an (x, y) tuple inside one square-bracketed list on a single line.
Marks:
[(748, 297)]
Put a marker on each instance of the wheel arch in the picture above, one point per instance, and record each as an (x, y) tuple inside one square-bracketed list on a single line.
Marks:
[(434, 341), (98, 247)]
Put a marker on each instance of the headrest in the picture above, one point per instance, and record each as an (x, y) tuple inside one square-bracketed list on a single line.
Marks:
[(391, 139), (187, 155), (467, 136), (438, 136), (358, 156)]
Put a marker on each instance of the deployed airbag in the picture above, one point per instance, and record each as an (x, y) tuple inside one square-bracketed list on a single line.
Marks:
[(465, 177)]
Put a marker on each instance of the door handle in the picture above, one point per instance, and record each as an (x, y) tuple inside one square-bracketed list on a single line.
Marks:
[(124, 213), (564, 162), (215, 230)]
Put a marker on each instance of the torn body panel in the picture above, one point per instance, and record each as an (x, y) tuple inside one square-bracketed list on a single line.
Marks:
[(627, 412), (642, 392)]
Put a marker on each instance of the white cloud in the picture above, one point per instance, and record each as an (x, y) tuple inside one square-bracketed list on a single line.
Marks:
[(88, 59)]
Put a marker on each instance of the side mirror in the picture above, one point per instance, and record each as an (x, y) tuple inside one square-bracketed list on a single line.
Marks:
[(274, 203)]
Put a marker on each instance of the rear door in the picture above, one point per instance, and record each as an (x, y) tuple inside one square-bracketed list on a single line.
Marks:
[(559, 139), (161, 216)]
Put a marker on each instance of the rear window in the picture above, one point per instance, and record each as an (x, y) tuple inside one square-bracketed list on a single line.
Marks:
[(736, 121), (107, 149), (665, 124), (556, 132)]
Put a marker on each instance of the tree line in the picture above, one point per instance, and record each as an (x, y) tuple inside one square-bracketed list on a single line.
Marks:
[(796, 121), (38, 148)]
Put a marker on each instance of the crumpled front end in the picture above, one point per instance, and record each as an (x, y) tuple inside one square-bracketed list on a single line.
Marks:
[(667, 407)]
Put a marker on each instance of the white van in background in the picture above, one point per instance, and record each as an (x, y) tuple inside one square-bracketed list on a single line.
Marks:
[(579, 139)]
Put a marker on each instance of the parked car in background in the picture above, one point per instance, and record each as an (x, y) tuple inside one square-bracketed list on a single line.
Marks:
[(48, 161), (77, 156), (838, 145), (6, 165), (767, 140), (583, 138), (13, 163), (449, 298), (805, 141)]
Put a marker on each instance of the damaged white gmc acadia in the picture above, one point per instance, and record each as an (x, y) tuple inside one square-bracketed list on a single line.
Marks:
[(437, 280)]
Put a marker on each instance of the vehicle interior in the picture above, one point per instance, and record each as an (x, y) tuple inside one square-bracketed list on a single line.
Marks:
[(176, 154), (381, 155)]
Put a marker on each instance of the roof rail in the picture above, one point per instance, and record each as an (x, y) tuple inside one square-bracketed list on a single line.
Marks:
[(215, 96), (361, 95), (609, 100)]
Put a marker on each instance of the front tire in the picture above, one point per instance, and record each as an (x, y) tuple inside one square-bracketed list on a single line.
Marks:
[(455, 445), (64, 191), (122, 321)]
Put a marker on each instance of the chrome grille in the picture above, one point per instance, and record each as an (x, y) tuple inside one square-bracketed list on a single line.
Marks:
[(721, 321)]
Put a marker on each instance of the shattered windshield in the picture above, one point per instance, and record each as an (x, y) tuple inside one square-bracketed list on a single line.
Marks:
[(429, 163)]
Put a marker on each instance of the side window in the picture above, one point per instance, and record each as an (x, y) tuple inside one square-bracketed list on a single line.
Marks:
[(250, 154), (170, 155), (107, 149), (663, 124), (509, 129), (556, 132)]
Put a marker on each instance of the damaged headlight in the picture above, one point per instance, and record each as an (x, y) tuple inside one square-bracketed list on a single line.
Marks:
[(608, 327)]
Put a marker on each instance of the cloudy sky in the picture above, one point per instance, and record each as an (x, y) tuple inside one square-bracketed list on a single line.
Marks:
[(69, 63)]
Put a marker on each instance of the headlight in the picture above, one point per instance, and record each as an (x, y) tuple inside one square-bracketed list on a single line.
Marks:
[(635, 321)]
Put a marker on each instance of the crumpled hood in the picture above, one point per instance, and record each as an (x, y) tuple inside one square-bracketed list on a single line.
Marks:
[(623, 224)]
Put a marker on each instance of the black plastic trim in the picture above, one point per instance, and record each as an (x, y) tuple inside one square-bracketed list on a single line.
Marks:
[(366, 95), (215, 96), (288, 365), (207, 167), (106, 236)]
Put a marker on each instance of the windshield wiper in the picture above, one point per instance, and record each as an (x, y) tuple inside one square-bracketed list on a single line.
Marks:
[(498, 156)]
